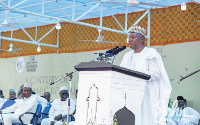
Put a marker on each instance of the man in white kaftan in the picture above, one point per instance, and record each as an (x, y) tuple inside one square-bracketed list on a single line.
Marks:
[(41, 101), (59, 109), (26, 104), (158, 88), (186, 116), (183, 115)]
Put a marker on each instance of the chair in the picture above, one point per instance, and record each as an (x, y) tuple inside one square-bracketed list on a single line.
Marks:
[(199, 121), (36, 115), (72, 118), (8, 103), (45, 112)]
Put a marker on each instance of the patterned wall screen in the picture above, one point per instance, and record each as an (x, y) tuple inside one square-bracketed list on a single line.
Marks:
[(168, 26)]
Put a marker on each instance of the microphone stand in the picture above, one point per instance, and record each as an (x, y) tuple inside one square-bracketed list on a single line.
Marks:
[(182, 78), (70, 81), (70, 76)]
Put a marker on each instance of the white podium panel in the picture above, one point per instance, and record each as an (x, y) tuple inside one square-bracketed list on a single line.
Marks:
[(102, 93)]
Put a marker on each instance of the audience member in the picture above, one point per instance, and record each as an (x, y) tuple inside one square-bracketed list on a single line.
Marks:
[(19, 94), (59, 110), (1, 94), (184, 115), (12, 94), (27, 103), (47, 96), (2, 100), (40, 99)]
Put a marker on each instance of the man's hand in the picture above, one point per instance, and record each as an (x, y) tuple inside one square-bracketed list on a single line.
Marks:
[(52, 122), (21, 96), (58, 117), (0, 112)]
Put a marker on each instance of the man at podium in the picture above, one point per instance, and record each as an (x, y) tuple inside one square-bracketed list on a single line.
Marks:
[(158, 88)]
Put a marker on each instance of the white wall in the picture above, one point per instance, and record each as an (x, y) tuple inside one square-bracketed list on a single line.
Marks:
[(179, 59)]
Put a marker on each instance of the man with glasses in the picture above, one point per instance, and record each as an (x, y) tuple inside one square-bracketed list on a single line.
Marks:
[(158, 88), (59, 109), (184, 115)]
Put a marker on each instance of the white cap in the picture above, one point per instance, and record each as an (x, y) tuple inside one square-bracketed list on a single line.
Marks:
[(27, 85), (63, 88)]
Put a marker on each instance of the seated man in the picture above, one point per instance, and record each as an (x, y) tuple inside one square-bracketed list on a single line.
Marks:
[(185, 115), (47, 96), (1, 94), (2, 100), (39, 99), (27, 103), (59, 109)]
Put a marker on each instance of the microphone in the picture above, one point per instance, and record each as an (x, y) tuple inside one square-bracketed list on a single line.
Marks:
[(52, 83), (116, 51), (111, 50), (67, 74)]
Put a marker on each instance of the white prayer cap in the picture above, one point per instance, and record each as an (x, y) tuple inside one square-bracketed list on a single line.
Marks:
[(63, 88), (27, 85)]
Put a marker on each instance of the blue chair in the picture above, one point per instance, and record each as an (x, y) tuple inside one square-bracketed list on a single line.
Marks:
[(72, 118), (36, 115), (45, 112), (8, 103)]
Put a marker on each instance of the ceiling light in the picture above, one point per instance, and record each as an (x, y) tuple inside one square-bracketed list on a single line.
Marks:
[(58, 26), (132, 2), (38, 49), (183, 5), (5, 22)]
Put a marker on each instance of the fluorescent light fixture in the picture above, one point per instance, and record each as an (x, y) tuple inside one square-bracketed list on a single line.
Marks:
[(58, 26), (183, 5)]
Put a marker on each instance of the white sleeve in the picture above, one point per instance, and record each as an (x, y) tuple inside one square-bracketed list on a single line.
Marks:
[(42, 101), (153, 69), (192, 115)]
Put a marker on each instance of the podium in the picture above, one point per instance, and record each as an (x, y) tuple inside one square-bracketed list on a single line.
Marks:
[(108, 92)]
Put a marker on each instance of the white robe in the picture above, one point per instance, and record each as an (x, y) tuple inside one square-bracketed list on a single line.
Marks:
[(185, 116), (20, 107), (41, 101), (59, 107), (158, 87)]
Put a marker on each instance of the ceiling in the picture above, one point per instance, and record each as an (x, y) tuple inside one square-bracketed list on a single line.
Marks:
[(21, 14), (31, 13)]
